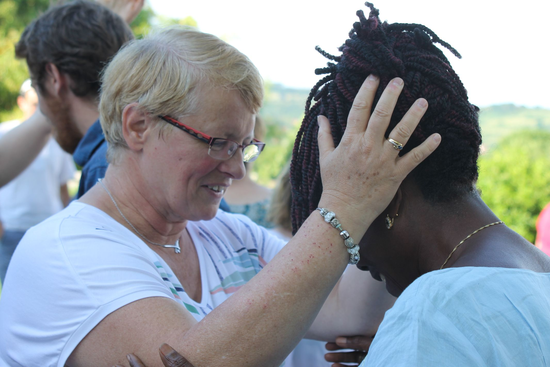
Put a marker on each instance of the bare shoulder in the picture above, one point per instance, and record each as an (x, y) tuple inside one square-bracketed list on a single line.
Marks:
[(506, 249)]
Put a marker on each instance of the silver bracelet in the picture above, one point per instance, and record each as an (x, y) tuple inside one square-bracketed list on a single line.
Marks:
[(353, 248)]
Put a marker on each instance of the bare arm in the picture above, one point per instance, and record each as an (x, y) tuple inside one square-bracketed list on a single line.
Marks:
[(21, 145), (356, 306), (265, 319), (64, 194)]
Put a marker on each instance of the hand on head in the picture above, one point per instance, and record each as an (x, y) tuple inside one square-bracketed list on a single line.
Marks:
[(362, 174)]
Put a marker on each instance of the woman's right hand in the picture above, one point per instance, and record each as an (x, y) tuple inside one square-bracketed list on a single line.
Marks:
[(361, 175)]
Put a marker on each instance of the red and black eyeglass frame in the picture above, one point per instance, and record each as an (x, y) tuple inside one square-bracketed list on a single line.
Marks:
[(210, 140)]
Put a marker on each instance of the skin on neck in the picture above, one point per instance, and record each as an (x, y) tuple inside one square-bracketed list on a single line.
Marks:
[(424, 234), (83, 111), (130, 194)]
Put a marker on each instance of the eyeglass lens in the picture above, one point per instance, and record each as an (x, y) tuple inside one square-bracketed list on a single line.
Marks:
[(223, 149)]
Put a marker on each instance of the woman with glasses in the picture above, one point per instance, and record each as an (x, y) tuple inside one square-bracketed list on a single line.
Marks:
[(146, 257)]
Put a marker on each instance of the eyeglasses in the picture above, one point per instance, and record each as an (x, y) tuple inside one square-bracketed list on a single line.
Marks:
[(220, 148)]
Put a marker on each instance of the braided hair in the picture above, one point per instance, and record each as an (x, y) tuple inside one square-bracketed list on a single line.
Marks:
[(392, 50)]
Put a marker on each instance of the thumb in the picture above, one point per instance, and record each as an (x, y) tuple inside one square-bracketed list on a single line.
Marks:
[(324, 137)]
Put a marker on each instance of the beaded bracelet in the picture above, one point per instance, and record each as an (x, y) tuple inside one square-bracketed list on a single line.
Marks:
[(353, 249)]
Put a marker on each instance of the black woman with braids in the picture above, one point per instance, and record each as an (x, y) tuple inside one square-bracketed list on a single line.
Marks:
[(472, 292)]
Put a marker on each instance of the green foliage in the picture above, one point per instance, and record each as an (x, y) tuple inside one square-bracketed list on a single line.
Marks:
[(14, 16), (282, 114), (187, 21), (515, 179), (141, 26), (12, 73), (277, 152)]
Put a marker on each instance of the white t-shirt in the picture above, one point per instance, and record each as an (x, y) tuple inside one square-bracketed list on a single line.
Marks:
[(72, 270), (34, 195)]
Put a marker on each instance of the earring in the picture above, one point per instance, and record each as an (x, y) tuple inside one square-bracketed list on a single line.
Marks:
[(389, 221)]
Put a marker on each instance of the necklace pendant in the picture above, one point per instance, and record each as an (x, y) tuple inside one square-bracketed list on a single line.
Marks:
[(176, 247)]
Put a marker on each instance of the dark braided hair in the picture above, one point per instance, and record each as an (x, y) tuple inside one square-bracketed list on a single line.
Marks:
[(393, 50)]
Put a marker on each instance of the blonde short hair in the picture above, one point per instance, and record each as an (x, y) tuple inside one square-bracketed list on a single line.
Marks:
[(164, 72)]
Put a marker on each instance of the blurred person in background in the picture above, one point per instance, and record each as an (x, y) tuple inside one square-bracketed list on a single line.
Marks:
[(67, 83), (38, 192), (21, 145), (279, 209), (246, 196)]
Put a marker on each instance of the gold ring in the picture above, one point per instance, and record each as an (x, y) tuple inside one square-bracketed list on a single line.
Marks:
[(396, 145)]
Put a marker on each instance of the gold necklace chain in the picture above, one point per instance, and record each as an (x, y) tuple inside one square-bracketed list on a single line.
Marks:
[(470, 235)]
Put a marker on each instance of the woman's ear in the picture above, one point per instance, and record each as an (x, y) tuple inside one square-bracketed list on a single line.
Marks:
[(136, 126)]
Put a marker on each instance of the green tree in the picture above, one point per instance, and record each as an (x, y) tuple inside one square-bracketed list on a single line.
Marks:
[(514, 179), (277, 152), (14, 16), (282, 113)]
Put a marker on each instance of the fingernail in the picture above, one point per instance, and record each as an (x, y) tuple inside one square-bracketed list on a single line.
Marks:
[(341, 340), (422, 103), (398, 82), (166, 349), (131, 358), (372, 77), (319, 120), (437, 138)]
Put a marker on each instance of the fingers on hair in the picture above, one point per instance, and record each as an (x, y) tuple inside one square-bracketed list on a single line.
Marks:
[(408, 51)]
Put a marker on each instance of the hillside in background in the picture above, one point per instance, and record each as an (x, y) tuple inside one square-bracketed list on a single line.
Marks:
[(285, 106), (500, 121)]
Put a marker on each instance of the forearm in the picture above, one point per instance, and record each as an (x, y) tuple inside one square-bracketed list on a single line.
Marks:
[(265, 319), (356, 306), (21, 145)]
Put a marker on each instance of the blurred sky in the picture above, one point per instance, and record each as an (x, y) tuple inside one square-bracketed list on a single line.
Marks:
[(505, 45)]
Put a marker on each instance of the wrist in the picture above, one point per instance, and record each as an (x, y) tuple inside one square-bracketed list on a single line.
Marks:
[(350, 244), (353, 219)]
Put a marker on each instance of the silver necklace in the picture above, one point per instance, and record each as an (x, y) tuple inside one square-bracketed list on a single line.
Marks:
[(175, 246)]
